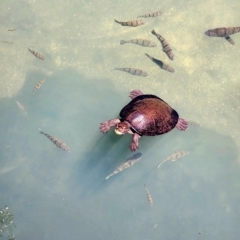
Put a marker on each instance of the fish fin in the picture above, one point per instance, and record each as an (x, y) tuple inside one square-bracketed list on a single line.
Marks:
[(148, 55), (122, 42), (153, 32)]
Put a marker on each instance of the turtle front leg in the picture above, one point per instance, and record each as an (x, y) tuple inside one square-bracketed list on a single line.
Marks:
[(134, 144), (105, 126), (135, 93), (182, 124)]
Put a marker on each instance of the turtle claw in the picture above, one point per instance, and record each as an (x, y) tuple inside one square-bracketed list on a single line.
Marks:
[(104, 127), (133, 147), (182, 124), (135, 93), (134, 143)]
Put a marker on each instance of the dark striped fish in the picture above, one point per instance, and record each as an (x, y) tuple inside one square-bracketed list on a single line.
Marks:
[(133, 71), (56, 141), (127, 164), (131, 23), (153, 14), (165, 45), (141, 42), (12, 29), (223, 32), (37, 54), (38, 85), (149, 197), (174, 157), (161, 64)]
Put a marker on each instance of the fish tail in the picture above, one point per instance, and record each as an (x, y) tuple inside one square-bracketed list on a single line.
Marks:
[(122, 42), (41, 131), (153, 32), (116, 21), (115, 69)]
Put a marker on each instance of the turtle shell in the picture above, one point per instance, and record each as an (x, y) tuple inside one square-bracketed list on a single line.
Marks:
[(149, 115)]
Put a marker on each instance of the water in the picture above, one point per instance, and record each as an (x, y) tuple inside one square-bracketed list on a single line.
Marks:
[(59, 195)]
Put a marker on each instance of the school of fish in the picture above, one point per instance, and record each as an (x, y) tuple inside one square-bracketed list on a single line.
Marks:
[(222, 32)]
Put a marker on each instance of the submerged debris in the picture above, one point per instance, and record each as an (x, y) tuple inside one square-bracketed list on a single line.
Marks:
[(192, 123)]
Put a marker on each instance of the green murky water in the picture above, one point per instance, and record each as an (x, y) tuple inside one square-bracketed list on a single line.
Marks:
[(54, 194)]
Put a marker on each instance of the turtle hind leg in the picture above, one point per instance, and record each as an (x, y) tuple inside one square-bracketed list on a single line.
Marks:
[(135, 93), (182, 124)]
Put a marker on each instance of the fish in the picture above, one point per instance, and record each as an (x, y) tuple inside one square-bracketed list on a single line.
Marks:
[(153, 14), (7, 42), (38, 85), (12, 29), (223, 32), (21, 107), (194, 123), (174, 157), (56, 141), (166, 47), (127, 164), (131, 23), (141, 42), (37, 54), (149, 198), (133, 71), (161, 64)]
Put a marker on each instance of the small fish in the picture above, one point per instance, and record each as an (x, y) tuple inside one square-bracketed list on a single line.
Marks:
[(149, 198), (161, 64), (174, 157), (127, 164), (12, 29), (165, 45), (153, 14), (7, 42), (131, 23), (56, 141), (20, 106), (36, 54), (141, 42), (133, 71), (223, 32), (155, 225), (194, 123), (38, 85)]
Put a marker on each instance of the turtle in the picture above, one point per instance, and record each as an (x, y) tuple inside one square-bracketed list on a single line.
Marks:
[(145, 115)]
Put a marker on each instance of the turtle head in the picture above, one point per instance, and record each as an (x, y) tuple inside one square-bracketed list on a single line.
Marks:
[(122, 128)]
